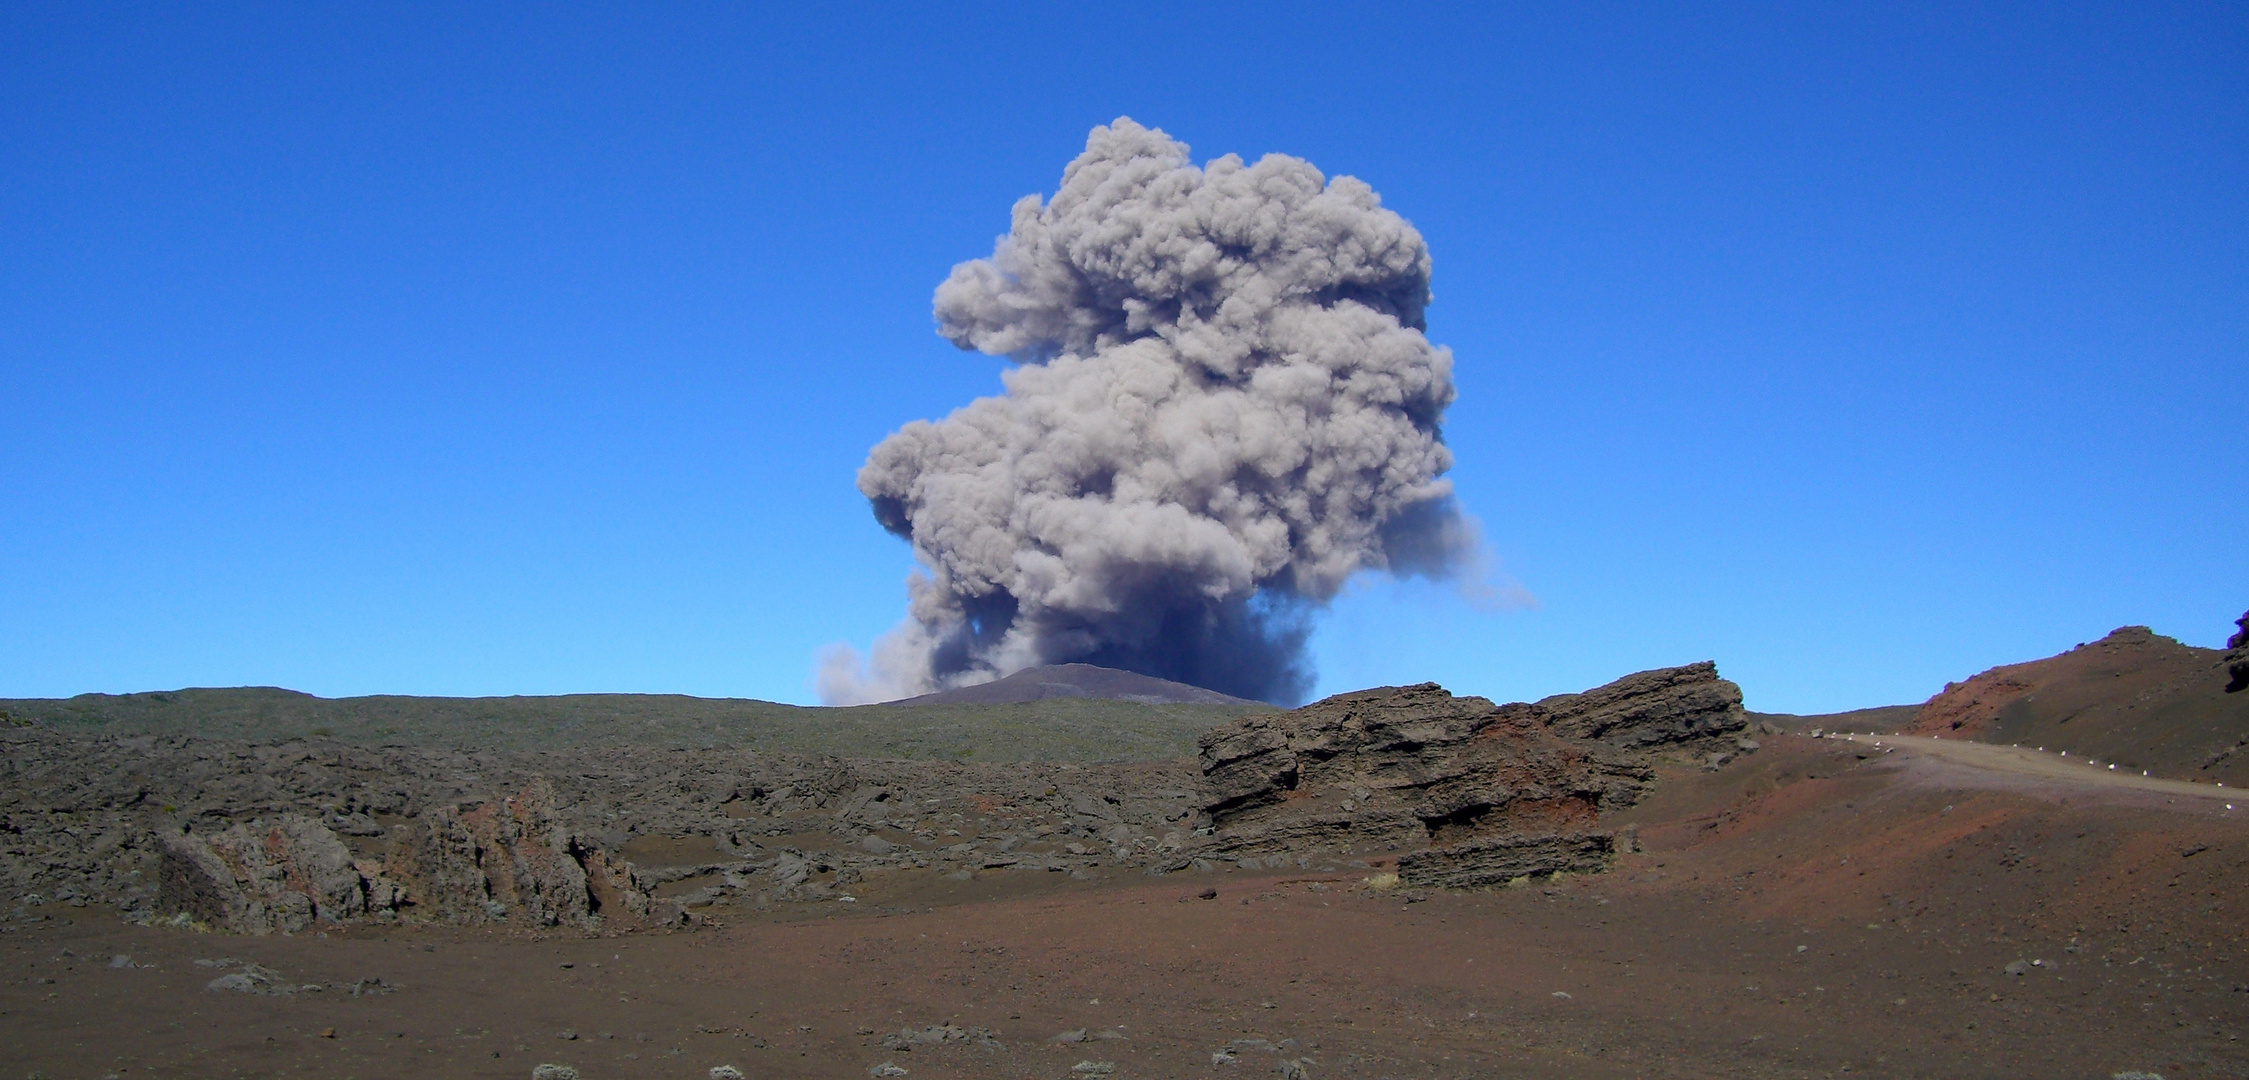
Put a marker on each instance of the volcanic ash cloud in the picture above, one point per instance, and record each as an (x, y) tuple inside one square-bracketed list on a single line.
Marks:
[(1224, 408)]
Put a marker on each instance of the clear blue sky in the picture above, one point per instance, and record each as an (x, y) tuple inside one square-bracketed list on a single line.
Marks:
[(404, 349)]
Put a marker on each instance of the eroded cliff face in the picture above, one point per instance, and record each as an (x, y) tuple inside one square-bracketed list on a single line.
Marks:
[(1465, 792)]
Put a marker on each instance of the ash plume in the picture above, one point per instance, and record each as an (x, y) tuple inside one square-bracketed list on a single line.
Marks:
[(1224, 408)]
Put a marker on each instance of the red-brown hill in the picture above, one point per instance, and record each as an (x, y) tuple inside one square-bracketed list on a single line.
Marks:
[(2134, 698)]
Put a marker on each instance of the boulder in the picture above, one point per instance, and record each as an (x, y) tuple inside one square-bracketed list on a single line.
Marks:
[(260, 878)]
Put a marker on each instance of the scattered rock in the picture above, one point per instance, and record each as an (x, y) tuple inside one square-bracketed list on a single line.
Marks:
[(554, 1072), (1074, 1035), (251, 979), (2017, 967), (904, 1040), (1094, 1068), (885, 1069), (725, 1072)]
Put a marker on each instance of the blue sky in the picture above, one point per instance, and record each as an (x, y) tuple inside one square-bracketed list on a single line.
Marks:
[(533, 350)]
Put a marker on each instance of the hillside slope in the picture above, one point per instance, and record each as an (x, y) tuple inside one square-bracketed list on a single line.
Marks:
[(2135, 698), (1079, 681), (1055, 729)]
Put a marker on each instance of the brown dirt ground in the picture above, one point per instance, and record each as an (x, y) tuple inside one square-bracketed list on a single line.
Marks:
[(1816, 909)]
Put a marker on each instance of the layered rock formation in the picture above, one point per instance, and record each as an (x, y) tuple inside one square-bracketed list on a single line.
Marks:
[(1682, 708), (1468, 792)]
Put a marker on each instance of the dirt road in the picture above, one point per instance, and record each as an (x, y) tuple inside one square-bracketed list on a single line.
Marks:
[(2042, 763)]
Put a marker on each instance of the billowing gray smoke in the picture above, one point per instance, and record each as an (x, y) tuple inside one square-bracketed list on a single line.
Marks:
[(1225, 408)]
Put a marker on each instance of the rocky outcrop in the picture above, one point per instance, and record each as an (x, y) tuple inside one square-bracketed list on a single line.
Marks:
[(1472, 792), (1687, 708), (509, 862), (2237, 656), (1467, 792), (261, 878), (512, 862)]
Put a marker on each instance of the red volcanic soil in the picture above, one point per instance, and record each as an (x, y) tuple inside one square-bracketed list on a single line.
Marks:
[(1817, 908), (2135, 698)]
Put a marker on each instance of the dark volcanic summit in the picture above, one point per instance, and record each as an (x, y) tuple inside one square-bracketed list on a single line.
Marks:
[(1076, 681)]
